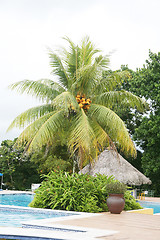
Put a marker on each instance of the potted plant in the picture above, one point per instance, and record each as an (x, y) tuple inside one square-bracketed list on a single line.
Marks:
[(115, 200)]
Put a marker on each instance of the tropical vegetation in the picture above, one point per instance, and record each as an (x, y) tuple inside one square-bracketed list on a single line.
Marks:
[(17, 168), (145, 82), (76, 192), (78, 105)]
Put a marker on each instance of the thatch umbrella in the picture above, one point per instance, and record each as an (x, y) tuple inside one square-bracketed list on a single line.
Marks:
[(111, 163)]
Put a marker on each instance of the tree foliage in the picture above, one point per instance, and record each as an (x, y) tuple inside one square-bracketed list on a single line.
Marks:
[(145, 82), (77, 107), (50, 159), (16, 167), (21, 169)]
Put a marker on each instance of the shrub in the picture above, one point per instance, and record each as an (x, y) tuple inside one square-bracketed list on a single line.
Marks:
[(130, 202), (76, 192), (82, 193)]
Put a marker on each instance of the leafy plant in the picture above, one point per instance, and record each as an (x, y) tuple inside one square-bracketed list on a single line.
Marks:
[(72, 192), (76, 192), (116, 187), (130, 202)]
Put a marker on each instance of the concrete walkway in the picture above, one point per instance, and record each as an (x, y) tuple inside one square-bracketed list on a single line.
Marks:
[(152, 199), (130, 226)]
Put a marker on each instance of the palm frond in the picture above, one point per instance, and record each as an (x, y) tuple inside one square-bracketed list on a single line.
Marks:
[(30, 115), (103, 140), (115, 79), (42, 131), (37, 89), (110, 81), (48, 131), (58, 69), (113, 126), (102, 62), (29, 132), (66, 101), (71, 58), (82, 137), (113, 98), (53, 85), (87, 78), (87, 52)]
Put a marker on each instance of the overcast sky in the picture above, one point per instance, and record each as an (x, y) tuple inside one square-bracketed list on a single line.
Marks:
[(27, 27)]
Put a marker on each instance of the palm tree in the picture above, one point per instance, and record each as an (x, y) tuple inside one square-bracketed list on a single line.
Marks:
[(78, 105)]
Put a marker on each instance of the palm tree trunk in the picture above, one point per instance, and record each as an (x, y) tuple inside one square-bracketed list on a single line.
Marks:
[(75, 162)]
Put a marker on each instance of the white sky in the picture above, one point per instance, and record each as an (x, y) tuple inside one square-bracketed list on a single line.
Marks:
[(28, 27)]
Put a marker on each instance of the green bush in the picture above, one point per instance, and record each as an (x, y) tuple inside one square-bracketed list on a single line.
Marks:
[(82, 193), (76, 192), (130, 202)]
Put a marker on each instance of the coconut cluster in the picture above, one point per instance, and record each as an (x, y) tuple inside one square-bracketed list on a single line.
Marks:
[(83, 102)]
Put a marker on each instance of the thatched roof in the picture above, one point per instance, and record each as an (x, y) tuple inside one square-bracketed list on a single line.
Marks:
[(111, 163)]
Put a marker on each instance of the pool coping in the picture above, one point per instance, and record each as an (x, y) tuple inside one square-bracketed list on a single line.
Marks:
[(15, 192)]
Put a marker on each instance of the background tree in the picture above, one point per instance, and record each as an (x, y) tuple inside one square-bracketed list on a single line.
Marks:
[(21, 169), (145, 82), (55, 158), (81, 101), (16, 167)]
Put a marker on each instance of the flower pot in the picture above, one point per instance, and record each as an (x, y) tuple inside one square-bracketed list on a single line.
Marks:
[(115, 203)]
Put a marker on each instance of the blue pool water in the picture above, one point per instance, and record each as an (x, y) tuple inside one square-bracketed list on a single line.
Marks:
[(154, 205), (16, 199), (12, 217)]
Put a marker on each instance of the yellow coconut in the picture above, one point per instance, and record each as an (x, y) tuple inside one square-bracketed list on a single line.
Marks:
[(81, 105)]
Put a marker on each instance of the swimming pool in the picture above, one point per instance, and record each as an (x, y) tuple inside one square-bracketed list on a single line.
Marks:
[(14, 216), (14, 210), (25, 223), (154, 205), (16, 199)]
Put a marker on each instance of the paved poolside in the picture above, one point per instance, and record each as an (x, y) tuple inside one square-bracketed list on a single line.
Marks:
[(152, 199), (130, 226), (14, 192)]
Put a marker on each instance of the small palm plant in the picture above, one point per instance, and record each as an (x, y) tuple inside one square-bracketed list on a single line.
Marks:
[(77, 105)]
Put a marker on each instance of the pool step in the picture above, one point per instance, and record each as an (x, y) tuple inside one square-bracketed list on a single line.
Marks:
[(70, 232), (52, 228)]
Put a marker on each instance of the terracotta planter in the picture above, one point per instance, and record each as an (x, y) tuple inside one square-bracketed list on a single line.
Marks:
[(115, 203)]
